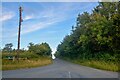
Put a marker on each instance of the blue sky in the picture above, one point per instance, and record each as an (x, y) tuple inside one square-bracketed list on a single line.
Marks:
[(42, 22)]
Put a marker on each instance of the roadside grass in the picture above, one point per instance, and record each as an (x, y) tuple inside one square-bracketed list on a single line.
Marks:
[(30, 63), (0, 64), (104, 65)]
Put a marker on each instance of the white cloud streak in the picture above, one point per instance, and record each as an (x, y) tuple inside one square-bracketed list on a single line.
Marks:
[(28, 17), (49, 16), (7, 16), (31, 28)]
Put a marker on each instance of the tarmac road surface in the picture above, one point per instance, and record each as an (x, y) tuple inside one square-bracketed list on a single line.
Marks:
[(60, 69)]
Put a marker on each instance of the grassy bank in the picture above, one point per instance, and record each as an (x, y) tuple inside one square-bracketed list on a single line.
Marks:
[(30, 63), (104, 65)]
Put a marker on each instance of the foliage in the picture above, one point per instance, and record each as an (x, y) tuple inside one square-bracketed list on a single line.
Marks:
[(40, 49), (96, 35), (8, 47), (34, 51)]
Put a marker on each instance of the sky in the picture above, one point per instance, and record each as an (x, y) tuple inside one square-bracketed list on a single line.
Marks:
[(42, 21)]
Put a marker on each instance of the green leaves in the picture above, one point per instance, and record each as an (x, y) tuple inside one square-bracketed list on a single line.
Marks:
[(8, 47), (40, 49), (83, 39), (94, 33)]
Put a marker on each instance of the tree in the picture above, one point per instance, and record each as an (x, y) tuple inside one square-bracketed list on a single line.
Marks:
[(31, 47), (40, 49), (8, 47), (95, 34)]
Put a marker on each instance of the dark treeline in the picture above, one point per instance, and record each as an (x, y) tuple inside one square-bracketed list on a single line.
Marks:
[(95, 36), (34, 50)]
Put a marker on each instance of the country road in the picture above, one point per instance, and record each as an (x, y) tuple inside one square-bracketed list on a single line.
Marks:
[(60, 69)]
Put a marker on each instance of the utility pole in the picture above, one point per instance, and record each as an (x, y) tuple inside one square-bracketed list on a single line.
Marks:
[(19, 30)]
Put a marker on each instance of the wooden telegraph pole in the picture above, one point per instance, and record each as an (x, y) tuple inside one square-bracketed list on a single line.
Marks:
[(19, 30)]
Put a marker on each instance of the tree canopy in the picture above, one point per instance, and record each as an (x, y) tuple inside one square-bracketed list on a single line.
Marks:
[(94, 34), (8, 47), (40, 49)]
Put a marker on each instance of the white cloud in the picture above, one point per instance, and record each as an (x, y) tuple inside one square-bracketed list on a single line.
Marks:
[(47, 17), (28, 17), (30, 28), (40, 25), (7, 16)]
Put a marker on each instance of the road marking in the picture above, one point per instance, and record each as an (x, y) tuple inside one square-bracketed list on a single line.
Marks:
[(69, 74)]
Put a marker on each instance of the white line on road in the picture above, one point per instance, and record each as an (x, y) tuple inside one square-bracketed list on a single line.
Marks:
[(69, 74)]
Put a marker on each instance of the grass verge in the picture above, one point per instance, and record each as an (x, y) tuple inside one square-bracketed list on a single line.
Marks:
[(104, 65), (11, 65)]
